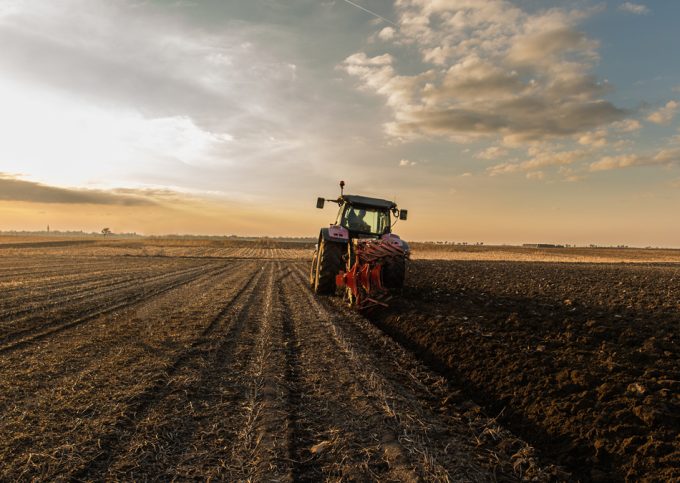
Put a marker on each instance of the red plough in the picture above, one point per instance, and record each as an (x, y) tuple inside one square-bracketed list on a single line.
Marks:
[(369, 261)]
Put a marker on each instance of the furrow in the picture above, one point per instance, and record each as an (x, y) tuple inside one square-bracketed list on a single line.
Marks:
[(25, 337), (218, 337)]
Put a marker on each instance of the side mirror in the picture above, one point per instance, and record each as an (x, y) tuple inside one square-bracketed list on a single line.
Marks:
[(320, 202), (403, 214)]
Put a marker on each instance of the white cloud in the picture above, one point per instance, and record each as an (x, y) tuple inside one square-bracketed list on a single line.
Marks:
[(634, 8), (386, 34), (627, 125), (539, 157), (379, 75), (404, 163), (596, 138), (361, 60), (663, 157), (503, 168), (543, 157), (569, 174), (616, 162), (665, 114), (495, 71), (492, 152)]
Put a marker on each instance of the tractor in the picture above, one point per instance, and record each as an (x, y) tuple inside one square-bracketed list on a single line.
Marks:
[(358, 256)]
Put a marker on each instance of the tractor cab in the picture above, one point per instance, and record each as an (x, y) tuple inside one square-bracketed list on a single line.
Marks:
[(365, 217)]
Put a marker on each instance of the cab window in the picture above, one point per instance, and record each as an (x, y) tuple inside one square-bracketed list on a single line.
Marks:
[(365, 220)]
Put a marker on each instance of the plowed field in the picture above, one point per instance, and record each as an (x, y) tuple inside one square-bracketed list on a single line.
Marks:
[(225, 366), (580, 359)]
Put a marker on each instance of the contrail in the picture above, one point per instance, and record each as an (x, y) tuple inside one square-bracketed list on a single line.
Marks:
[(372, 13)]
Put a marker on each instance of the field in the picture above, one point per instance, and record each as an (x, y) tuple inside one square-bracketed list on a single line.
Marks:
[(189, 359)]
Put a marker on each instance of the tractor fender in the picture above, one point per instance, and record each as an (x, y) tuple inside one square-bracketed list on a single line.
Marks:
[(395, 240), (335, 233)]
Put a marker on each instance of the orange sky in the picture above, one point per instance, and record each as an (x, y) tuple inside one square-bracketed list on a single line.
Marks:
[(468, 216)]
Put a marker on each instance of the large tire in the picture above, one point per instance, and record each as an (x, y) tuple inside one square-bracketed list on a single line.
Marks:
[(312, 270), (393, 272), (328, 265), (347, 295)]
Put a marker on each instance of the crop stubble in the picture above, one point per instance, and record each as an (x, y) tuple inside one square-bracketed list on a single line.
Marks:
[(133, 367)]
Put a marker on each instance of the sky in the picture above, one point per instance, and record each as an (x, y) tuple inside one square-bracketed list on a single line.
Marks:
[(500, 121)]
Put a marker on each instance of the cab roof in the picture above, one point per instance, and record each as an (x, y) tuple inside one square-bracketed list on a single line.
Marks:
[(369, 202)]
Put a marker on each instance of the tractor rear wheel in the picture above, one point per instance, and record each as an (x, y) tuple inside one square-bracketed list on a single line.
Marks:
[(328, 265), (348, 295), (393, 272)]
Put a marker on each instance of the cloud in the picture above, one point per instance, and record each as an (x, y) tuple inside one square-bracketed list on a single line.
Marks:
[(81, 50), (569, 175), (492, 152), (543, 157), (379, 75), (596, 138), (386, 34), (490, 70), (664, 157), (665, 114), (404, 163), (535, 175), (516, 120), (475, 77), (634, 8), (13, 189), (539, 157), (627, 125), (503, 168), (545, 45)]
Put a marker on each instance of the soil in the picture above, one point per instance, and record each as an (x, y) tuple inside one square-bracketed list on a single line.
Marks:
[(580, 359), (212, 364)]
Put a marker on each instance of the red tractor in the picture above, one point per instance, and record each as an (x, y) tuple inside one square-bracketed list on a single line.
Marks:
[(358, 255)]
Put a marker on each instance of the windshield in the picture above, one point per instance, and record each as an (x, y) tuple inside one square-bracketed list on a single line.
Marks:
[(366, 220)]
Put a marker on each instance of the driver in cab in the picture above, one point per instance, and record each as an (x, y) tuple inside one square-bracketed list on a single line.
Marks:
[(356, 221)]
